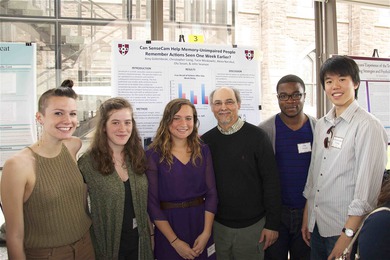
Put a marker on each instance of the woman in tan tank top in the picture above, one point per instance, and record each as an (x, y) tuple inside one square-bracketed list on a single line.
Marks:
[(42, 190)]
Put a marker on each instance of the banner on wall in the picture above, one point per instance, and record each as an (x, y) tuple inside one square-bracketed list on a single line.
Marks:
[(150, 74), (17, 97), (374, 90)]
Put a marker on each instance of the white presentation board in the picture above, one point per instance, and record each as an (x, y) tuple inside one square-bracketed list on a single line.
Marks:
[(150, 74), (17, 97)]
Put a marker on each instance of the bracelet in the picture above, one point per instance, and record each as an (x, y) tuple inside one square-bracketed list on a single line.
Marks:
[(173, 240), (151, 235)]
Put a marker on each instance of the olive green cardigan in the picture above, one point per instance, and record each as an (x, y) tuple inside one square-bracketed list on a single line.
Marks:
[(107, 197)]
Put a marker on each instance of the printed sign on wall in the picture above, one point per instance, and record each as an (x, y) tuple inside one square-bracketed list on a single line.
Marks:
[(150, 74)]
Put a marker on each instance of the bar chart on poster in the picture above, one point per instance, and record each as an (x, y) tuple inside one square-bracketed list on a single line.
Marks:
[(196, 94), (191, 84)]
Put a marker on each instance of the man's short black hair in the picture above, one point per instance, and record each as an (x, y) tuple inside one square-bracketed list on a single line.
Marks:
[(290, 78), (342, 66)]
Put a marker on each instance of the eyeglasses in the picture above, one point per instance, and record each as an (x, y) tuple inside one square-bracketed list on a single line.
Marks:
[(227, 103), (294, 96), (327, 139)]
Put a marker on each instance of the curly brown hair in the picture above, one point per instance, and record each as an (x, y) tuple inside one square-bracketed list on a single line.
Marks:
[(101, 151), (162, 141)]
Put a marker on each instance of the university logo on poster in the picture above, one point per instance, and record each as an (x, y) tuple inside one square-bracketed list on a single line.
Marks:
[(123, 48), (249, 54)]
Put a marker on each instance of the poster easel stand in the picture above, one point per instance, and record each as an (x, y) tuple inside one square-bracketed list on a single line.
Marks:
[(375, 53)]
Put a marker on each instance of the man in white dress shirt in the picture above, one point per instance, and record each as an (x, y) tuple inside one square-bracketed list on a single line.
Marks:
[(347, 165)]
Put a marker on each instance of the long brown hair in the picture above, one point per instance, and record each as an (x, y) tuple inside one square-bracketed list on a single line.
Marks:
[(162, 141), (101, 151), (384, 195)]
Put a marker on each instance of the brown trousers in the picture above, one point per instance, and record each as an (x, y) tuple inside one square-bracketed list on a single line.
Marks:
[(79, 250)]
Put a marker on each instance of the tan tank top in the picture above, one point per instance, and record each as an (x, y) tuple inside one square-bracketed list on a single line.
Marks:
[(55, 215)]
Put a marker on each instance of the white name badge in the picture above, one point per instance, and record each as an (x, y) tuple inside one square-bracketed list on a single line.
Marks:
[(134, 223), (337, 142), (304, 147), (211, 250)]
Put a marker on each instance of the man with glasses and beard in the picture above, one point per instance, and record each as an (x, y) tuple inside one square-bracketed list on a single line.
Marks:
[(291, 134), (347, 165), (249, 205)]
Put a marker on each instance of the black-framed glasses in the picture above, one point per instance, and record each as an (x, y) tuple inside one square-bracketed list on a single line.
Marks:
[(294, 96), (328, 139)]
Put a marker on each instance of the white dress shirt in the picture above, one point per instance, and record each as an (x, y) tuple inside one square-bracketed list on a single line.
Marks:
[(345, 178)]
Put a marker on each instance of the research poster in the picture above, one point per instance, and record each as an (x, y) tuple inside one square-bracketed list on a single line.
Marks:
[(150, 74), (17, 97), (374, 90)]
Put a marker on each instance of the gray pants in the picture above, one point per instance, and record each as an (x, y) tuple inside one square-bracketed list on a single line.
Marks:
[(238, 243)]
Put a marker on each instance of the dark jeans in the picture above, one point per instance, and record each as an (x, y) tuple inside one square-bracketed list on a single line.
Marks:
[(321, 247), (290, 238)]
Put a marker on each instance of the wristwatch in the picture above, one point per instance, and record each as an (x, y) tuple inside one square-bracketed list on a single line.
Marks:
[(348, 232)]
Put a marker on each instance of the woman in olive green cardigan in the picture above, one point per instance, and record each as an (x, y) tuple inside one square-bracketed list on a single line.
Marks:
[(113, 169)]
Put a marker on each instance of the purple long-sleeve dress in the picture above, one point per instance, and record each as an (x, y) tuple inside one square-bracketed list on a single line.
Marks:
[(179, 183)]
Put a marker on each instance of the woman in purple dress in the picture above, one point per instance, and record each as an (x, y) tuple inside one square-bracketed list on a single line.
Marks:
[(182, 194)]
